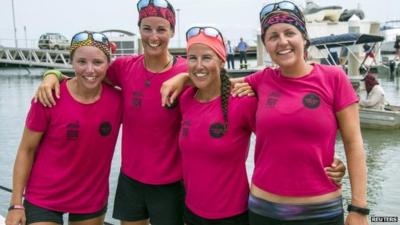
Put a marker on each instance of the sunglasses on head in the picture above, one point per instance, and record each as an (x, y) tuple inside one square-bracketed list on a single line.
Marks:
[(281, 6), (208, 31), (159, 3), (86, 35)]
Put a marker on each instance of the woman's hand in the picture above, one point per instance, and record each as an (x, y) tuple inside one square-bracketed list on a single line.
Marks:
[(241, 89), (16, 217), (354, 218), (336, 171), (170, 89), (45, 91)]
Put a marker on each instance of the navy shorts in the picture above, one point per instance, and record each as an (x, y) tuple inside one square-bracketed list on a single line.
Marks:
[(35, 214), (193, 219), (135, 201)]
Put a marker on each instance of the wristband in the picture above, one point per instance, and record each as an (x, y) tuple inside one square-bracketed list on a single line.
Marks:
[(12, 207), (55, 72), (360, 210)]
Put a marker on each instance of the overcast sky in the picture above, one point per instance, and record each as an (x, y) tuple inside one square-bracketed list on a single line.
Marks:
[(235, 18)]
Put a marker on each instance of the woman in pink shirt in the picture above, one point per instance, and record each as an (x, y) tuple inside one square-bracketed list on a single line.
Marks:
[(215, 135), (301, 107), (57, 165)]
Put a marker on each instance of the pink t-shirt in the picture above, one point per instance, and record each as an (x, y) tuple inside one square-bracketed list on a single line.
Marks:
[(73, 160), (214, 170), (149, 132), (296, 129)]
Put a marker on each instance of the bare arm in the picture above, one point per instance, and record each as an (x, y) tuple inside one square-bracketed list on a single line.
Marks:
[(44, 93), (349, 124), (171, 88), (22, 168)]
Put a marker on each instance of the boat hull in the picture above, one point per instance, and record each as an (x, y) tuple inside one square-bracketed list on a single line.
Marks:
[(379, 119)]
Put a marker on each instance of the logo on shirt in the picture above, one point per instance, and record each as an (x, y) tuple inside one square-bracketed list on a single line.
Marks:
[(185, 128), (217, 130), (137, 99), (73, 130), (311, 101), (272, 99), (105, 128)]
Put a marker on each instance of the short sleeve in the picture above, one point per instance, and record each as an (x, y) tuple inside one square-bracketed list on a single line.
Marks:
[(117, 71), (38, 117), (249, 106), (254, 79), (345, 94)]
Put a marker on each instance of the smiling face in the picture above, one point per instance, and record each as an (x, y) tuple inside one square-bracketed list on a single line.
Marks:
[(155, 33), (204, 67), (90, 65), (285, 44)]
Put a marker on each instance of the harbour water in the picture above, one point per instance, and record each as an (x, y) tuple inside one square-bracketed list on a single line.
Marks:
[(382, 148)]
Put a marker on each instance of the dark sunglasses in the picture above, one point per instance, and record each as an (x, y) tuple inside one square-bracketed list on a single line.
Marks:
[(159, 3), (208, 31), (86, 35), (282, 6)]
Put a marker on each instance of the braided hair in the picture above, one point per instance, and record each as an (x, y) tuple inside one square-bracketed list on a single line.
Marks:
[(225, 93)]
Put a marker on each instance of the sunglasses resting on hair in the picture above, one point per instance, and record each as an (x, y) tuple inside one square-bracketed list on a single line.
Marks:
[(159, 3), (208, 31), (86, 35), (282, 6)]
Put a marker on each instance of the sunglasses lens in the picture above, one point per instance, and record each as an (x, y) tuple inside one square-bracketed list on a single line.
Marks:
[(192, 32), (267, 9), (142, 4), (80, 37), (211, 32), (100, 38), (160, 3), (287, 5)]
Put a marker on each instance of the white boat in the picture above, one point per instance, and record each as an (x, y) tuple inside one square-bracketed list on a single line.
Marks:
[(369, 118), (315, 13), (380, 119), (390, 30), (2, 220)]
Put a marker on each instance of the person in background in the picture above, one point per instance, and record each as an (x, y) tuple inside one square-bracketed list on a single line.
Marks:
[(369, 53), (230, 50), (375, 98), (52, 166), (149, 186), (242, 47), (397, 48)]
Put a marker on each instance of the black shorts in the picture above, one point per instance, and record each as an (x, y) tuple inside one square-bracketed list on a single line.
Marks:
[(162, 204), (193, 219), (36, 214)]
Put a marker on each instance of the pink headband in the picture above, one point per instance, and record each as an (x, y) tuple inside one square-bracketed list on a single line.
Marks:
[(215, 43)]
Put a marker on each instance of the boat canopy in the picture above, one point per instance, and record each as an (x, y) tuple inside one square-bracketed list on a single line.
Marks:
[(347, 39)]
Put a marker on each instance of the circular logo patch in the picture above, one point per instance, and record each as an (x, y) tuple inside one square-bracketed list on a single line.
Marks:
[(105, 128), (311, 101), (217, 130)]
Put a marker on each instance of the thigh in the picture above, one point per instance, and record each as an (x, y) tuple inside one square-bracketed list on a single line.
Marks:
[(38, 215), (129, 202), (165, 204), (99, 220)]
